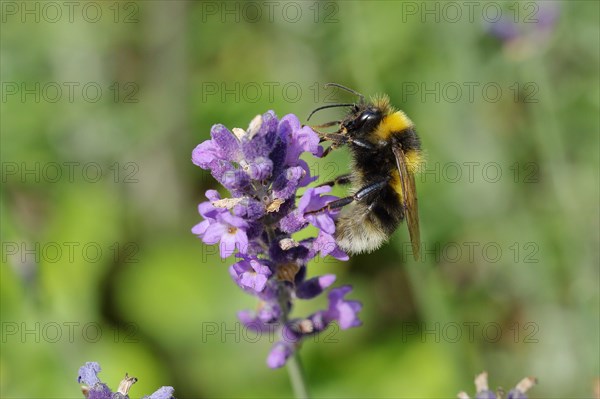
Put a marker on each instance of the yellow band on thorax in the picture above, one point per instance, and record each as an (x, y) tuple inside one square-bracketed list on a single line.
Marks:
[(393, 123)]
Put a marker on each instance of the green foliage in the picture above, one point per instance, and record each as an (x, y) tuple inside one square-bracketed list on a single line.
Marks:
[(511, 261)]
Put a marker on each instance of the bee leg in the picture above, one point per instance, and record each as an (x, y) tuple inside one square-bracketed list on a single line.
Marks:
[(362, 143), (337, 140), (329, 149), (341, 139), (361, 195), (320, 133), (341, 180)]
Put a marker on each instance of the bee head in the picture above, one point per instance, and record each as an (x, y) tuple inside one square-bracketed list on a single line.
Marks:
[(362, 119)]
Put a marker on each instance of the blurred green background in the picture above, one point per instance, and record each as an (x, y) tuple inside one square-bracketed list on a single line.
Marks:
[(103, 102)]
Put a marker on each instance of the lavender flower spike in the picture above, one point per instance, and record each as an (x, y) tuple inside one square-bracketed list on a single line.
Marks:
[(262, 169), (93, 388), (483, 391)]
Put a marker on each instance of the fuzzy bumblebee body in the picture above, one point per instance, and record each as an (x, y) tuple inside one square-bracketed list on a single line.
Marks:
[(386, 153)]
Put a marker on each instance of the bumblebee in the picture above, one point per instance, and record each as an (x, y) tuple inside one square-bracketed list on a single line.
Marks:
[(386, 154)]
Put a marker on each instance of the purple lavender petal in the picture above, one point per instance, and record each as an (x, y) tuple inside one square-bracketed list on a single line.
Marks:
[(338, 294), (249, 209), (260, 268), (269, 312), (254, 233), (345, 312), (252, 323), (310, 141), (338, 254), (322, 221), (227, 229), (205, 154), (292, 222), (290, 333), (261, 142), (299, 139), (207, 209), (259, 169), (487, 394), (325, 244), (269, 125), (299, 255), (315, 286), (250, 274), (212, 195), (234, 179), (88, 373), (234, 221), (226, 141), (227, 245), (278, 156), (504, 29), (348, 314), (248, 319), (201, 227), (230, 231), (255, 281), (548, 15), (214, 233), (241, 241), (286, 184), (238, 269), (516, 394), (279, 355), (307, 178), (162, 393), (319, 321), (100, 391)]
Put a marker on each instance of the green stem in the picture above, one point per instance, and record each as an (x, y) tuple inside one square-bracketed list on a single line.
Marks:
[(297, 379), (294, 366)]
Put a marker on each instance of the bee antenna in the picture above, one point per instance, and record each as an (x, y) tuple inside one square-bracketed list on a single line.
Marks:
[(329, 106), (362, 98)]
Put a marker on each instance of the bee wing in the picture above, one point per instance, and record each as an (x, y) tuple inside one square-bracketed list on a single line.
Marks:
[(409, 200)]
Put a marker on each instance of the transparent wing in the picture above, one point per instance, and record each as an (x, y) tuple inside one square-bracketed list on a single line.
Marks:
[(409, 199)]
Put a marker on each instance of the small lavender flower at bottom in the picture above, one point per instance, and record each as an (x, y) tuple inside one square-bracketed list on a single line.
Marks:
[(483, 391), (93, 388)]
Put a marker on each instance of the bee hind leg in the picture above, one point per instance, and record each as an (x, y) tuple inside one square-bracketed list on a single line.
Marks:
[(361, 195), (341, 180)]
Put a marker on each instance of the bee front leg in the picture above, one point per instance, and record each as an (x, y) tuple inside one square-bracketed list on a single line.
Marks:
[(341, 139), (332, 147), (336, 139)]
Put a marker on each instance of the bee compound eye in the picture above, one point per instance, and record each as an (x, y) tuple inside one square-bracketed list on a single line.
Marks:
[(367, 117)]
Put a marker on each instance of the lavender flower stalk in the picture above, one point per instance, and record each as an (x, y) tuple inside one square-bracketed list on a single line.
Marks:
[(93, 388), (531, 31), (262, 169), (484, 392)]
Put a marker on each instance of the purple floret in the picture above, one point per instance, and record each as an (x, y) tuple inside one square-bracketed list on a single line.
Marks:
[(88, 373), (93, 388)]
